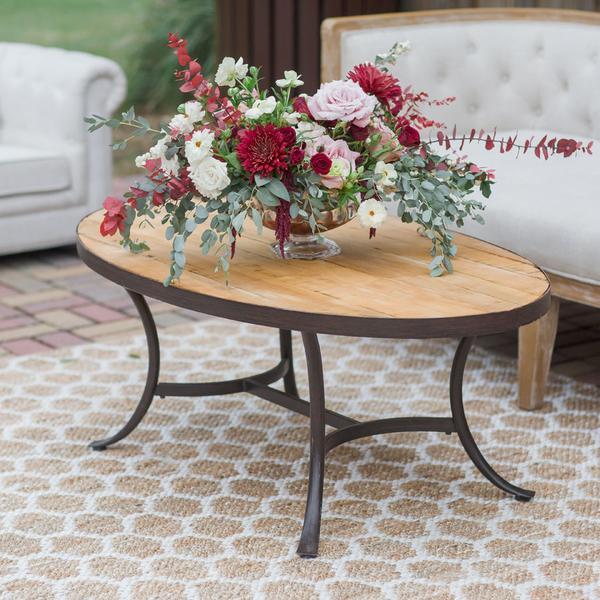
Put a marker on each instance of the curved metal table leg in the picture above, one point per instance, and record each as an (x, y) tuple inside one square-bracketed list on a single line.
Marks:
[(309, 540), (151, 378), (289, 379), (462, 428)]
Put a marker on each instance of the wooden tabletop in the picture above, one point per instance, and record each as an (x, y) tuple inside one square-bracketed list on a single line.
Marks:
[(374, 288)]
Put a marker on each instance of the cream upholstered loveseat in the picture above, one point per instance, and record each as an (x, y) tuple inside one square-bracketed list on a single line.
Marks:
[(530, 71), (52, 172)]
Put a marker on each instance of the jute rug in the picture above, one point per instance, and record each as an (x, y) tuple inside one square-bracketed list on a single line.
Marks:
[(206, 499)]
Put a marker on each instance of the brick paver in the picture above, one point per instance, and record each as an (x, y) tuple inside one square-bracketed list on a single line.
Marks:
[(62, 318), (25, 346), (61, 339), (98, 313)]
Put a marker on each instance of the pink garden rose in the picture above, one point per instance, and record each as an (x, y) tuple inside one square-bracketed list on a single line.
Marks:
[(343, 160), (387, 138), (342, 101)]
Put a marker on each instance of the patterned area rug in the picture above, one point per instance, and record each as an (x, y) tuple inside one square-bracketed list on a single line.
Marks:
[(205, 500)]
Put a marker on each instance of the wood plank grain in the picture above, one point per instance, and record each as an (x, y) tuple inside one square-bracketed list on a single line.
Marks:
[(386, 277)]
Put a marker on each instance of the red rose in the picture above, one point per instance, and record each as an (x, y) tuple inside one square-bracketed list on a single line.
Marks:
[(289, 135), (321, 163), (296, 156), (360, 134), (301, 106), (409, 137)]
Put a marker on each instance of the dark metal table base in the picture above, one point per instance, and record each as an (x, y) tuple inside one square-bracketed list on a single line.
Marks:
[(347, 429)]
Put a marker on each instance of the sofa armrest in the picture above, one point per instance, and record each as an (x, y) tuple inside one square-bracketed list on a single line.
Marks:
[(46, 92)]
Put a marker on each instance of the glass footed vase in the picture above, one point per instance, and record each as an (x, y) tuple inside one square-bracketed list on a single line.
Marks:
[(303, 243)]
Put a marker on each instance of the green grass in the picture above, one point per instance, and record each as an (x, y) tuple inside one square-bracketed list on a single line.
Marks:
[(108, 28), (133, 33)]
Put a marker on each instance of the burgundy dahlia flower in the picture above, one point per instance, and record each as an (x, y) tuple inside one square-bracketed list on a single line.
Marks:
[(262, 150), (377, 83)]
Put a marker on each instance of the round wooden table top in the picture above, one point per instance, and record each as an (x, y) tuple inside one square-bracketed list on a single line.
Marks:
[(373, 288)]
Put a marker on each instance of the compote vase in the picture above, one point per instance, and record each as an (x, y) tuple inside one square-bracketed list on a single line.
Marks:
[(304, 244)]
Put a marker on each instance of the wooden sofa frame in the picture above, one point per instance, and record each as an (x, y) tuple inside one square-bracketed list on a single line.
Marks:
[(536, 341)]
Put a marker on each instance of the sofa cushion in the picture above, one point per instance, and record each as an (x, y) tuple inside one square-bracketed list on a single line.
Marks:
[(26, 170), (547, 211)]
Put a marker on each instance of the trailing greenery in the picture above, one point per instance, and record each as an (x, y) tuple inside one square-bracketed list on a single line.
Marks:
[(151, 80)]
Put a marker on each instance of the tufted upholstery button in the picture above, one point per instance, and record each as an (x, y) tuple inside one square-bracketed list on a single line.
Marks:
[(470, 48), (505, 77), (540, 50), (441, 76), (537, 111), (594, 58), (472, 107)]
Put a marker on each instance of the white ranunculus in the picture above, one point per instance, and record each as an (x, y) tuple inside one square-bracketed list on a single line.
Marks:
[(184, 122), (199, 146), (194, 111), (389, 173), (210, 177), (181, 124), (229, 70), (371, 213), (290, 79), (261, 107)]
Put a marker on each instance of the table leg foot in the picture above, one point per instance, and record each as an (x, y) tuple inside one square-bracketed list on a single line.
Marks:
[(309, 539), (462, 428), (289, 379), (151, 378)]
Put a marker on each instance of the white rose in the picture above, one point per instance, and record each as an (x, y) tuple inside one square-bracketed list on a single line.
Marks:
[(261, 107), (199, 146), (339, 168), (389, 173), (210, 177), (309, 132), (229, 71), (371, 213)]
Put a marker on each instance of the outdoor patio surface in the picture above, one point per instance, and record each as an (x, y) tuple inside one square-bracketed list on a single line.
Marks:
[(50, 299)]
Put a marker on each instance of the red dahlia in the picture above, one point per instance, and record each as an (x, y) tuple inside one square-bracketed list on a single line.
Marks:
[(262, 150), (376, 82)]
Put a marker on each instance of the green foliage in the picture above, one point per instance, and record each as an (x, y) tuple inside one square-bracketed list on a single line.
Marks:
[(152, 84)]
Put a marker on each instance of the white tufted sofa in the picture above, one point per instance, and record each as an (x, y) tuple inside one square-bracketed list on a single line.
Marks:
[(52, 172), (533, 71)]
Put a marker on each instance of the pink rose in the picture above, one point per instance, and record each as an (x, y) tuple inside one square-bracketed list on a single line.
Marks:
[(342, 101), (343, 160), (387, 138)]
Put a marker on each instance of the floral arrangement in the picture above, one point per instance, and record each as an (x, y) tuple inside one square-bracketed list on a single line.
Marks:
[(354, 142)]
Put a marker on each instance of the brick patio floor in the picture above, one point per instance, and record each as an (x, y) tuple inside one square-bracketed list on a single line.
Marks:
[(50, 299)]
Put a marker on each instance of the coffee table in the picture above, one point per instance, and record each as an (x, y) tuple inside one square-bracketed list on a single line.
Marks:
[(376, 288)]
